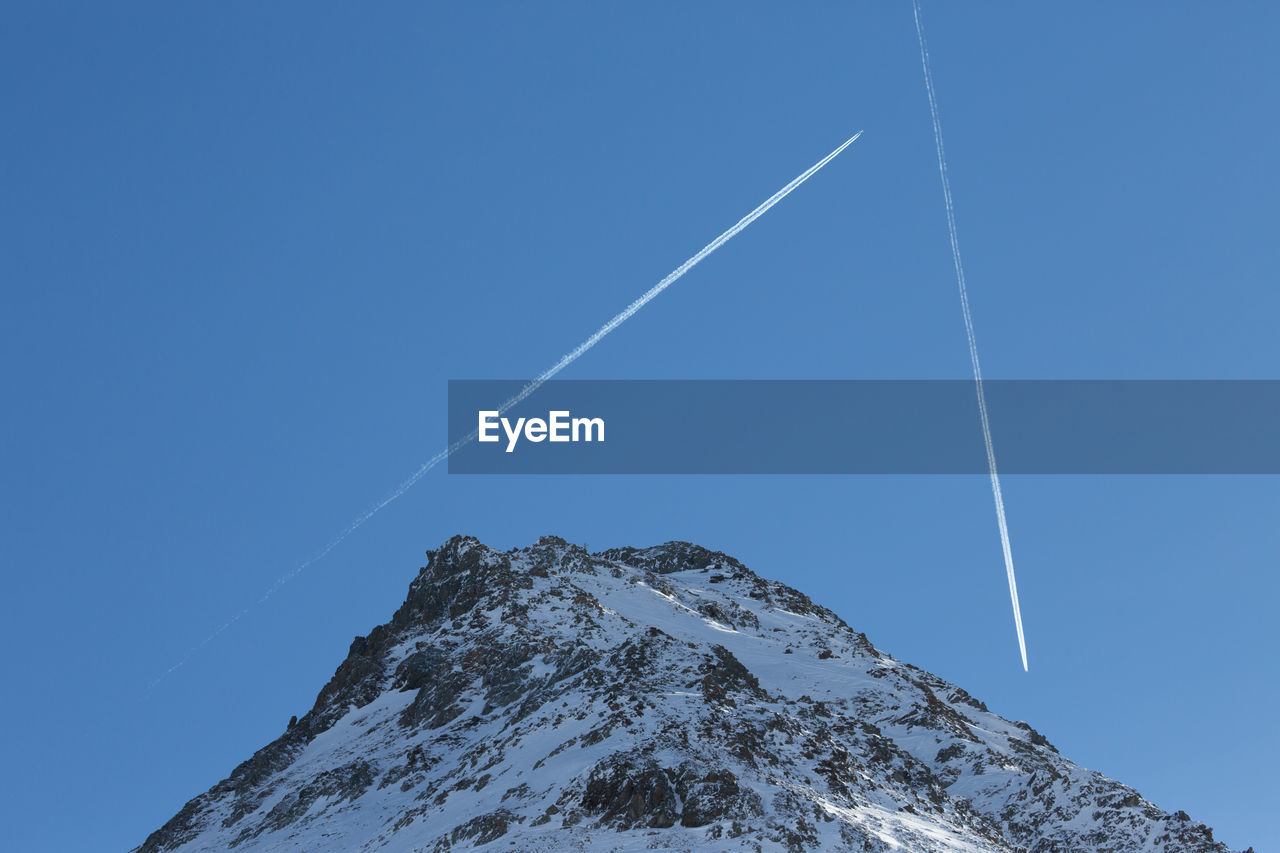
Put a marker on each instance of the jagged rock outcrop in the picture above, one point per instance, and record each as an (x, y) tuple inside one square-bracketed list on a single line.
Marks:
[(660, 698)]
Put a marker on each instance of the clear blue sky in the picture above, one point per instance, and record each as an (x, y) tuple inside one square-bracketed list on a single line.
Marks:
[(246, 245)]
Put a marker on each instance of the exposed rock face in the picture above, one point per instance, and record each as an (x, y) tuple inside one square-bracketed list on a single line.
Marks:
[(660, 698)]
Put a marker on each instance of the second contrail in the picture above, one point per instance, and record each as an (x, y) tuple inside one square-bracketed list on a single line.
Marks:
[(968, 328), (565, 360)]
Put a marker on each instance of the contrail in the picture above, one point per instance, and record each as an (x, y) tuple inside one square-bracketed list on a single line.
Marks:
[(968, 328), (565, 360)]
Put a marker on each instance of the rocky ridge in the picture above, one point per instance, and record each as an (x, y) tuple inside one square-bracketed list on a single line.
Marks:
[(547, 698)]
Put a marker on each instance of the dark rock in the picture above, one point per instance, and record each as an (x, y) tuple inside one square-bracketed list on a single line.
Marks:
[(630, 793)]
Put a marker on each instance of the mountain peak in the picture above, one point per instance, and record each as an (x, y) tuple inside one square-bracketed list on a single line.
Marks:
[(549, 698)]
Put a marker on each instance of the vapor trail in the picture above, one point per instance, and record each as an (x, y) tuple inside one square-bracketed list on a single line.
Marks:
[(565, 360), (968, 328)]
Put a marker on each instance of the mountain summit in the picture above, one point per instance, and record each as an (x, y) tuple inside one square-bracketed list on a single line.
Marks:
[(664, 698)]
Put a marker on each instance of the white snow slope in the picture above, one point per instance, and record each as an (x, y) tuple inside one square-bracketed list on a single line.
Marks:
[(548, 699)]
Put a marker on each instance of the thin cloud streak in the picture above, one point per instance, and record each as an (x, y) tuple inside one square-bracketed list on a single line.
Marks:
[(968, 328), (533, 385)]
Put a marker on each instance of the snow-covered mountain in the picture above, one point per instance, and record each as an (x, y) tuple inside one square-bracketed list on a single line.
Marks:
[(666, 698)]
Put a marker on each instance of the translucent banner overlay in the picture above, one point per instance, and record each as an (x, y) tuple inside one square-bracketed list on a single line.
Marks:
[(867, 427)]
